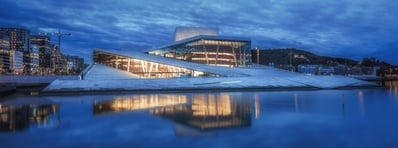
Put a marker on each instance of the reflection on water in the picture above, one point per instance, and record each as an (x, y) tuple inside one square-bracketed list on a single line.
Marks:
[(139, 102), (199, 111), (393, 86), (256, 106), (211, 111), (296, 104), (287, 119), (360, 101), (190, 112), (15, 118)]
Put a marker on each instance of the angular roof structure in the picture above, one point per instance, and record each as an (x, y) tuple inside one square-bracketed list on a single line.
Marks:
[(223, 71)]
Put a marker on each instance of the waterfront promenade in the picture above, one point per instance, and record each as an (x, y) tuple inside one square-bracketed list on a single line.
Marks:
[(27, 83)]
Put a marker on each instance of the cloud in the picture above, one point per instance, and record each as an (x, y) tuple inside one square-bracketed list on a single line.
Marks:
[(347, 28)]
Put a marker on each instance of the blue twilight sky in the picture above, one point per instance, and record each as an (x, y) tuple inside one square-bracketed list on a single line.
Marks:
[(345, 28)]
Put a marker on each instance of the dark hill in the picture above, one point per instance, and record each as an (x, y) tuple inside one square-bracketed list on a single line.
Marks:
[(296, 57)]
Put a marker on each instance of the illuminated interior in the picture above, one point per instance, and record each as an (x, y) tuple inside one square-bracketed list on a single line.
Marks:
[(144, 69), (210, 50)]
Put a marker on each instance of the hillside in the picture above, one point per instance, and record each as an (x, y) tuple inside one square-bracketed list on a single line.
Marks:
[(297, 57)]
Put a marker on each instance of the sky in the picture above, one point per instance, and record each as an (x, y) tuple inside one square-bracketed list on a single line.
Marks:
[(342, 28)]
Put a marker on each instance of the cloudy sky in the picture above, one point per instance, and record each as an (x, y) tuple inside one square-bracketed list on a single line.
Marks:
[(345, 28)]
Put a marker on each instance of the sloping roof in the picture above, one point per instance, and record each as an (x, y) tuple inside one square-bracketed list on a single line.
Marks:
[(224, 71), (102, 72)]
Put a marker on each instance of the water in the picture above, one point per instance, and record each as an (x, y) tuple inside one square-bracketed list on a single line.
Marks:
[(324, 118)]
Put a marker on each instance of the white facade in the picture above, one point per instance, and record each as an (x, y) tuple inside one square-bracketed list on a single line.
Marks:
[(182, 33)]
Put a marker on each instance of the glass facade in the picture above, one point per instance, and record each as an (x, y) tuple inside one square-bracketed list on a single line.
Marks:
[(210, 50), (4, 54), (43, 43), (143, 68), (19, 38), (34, 59), (17, 61)]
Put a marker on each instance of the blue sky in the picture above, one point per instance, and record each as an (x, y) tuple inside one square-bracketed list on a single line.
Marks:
[(344, 28)]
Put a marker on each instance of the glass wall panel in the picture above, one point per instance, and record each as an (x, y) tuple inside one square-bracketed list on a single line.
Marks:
[(217, 52), (145, 69)]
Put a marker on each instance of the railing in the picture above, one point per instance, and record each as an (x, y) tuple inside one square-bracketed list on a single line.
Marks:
[(85, 71)]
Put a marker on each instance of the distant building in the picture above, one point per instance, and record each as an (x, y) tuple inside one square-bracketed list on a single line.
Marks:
[(17, 62), (52, 61), (309, 69), (34, 59), (35, 52), (19, 42), (326, 70), (74, 64), (315, 69), (5, 54), (45, 51), (19, 38), (182, 33), (341, 69), (58, 60)]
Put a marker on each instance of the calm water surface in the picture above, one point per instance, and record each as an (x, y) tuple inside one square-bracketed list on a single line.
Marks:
[(324, 118)]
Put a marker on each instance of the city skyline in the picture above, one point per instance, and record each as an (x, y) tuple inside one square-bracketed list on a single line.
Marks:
[(349, 29)]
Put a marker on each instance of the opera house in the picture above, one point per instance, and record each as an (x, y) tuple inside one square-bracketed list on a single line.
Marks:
[(192, 45), (198, 59)]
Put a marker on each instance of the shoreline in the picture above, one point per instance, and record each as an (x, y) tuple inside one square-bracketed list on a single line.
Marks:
[(37, 89), (25, 89), (185, 90), (7, 89)]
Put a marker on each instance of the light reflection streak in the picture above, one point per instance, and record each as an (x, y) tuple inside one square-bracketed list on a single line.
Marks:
[(256, 106), (296, 105), (361, 101)]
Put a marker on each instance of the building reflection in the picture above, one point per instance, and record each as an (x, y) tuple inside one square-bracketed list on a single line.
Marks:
[(256, 106), (211, 111), (139, 102), (16, 118), (393, 86), (200, 112)]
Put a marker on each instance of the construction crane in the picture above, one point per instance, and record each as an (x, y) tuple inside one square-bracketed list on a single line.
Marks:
[(59, 34)]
